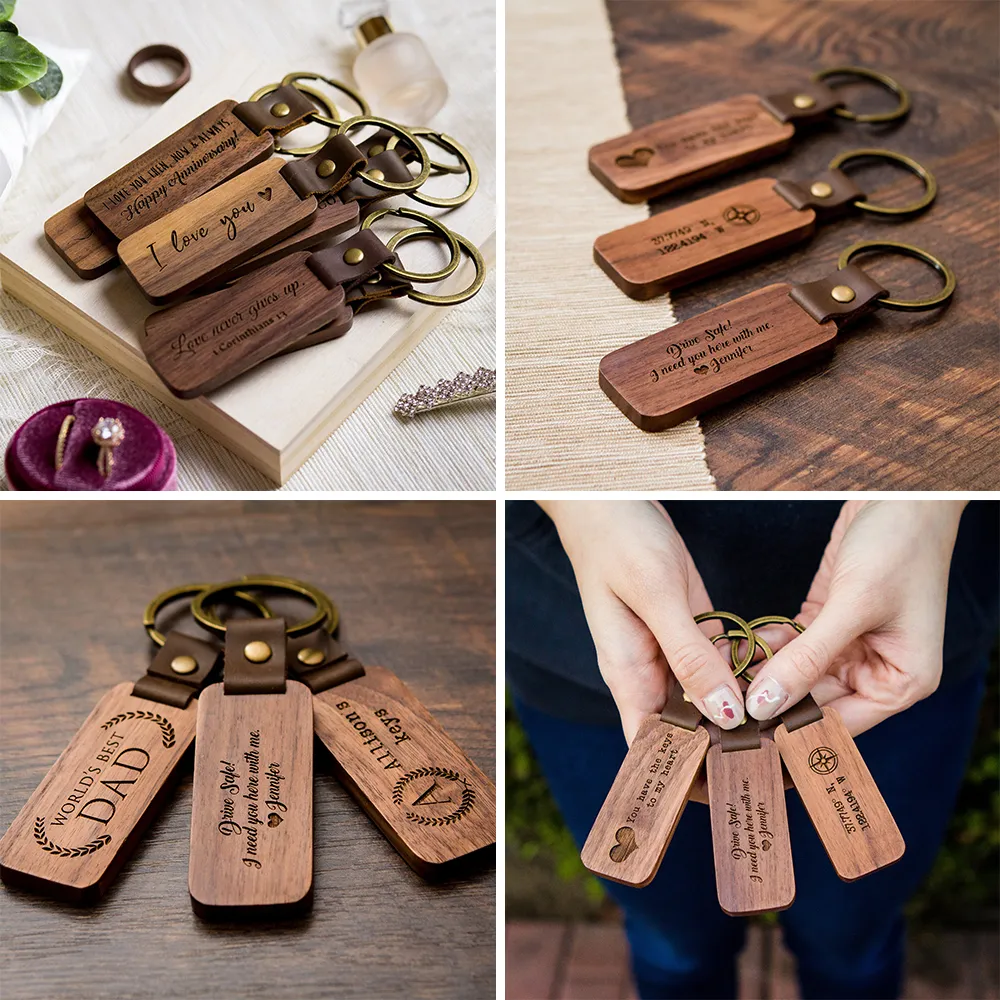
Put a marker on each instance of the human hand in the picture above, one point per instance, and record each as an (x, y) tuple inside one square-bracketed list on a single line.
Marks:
[(875, 616), (640, 592)]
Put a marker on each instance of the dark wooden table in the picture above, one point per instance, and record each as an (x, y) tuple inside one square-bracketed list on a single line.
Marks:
[(910, 400), (415, 585)]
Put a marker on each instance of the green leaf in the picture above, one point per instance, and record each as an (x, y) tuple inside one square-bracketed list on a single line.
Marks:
[(6, 9), (9, 27), (20, 62), (49, 85)]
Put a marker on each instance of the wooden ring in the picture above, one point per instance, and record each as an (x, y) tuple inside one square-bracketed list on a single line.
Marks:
[(162, 91)]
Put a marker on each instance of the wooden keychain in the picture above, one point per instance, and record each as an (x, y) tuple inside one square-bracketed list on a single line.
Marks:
[(741, 224), (301, 299), (222, 142), (714, 357), (414, 782), (86, 817), (718, 138), (637, 821), (844, 803)]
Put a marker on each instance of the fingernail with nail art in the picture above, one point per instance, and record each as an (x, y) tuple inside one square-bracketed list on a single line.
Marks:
[(767, 700), (724, 707)]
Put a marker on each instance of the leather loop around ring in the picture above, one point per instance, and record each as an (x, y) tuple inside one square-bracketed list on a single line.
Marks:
[(259, 114), (843, 193), (743, 737), (784, 107), (164, 684), (326, 171), (803, 713), (816, 297), (159, 92), (332, 269), (245, 675), (679, 712)]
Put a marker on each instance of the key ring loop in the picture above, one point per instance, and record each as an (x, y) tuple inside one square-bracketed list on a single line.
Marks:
[(430, 223), (415, 233), (158, 603), (930, 183), (900, 111), (866, 246), (709, 616), (477, 282), (318, 596), (438, 168), (453, 146), (315, 117), (215, 625), (397, 187), (292, 78)]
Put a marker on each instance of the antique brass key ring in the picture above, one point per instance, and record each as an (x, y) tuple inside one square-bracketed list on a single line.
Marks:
[(739, 665), (900, 111), (930, 184), (291, 585), (468, 165), (215, 625), (330, 119), (158, 603), (914, 305), (395, 187)]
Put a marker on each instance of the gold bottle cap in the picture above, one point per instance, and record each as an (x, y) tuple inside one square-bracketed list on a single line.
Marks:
[(371, 28)]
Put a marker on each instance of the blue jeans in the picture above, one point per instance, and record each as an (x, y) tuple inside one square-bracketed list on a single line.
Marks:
[(848, 938)]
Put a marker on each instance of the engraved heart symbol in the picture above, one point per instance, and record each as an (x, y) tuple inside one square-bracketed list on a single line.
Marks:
[(624, 846), (273, 819), (637, 158), (701, 370), (265, 194)]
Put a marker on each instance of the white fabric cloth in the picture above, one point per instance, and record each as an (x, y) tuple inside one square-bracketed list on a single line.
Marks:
[(453, 449)]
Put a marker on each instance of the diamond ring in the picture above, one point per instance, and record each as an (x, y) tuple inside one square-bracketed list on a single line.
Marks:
[(107, 433)]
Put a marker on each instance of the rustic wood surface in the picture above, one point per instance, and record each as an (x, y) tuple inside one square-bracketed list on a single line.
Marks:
[(415, 586), (687, 148), (177, 170), (852, 820), (702, 239), (197, 345), (199, 241), (909, 401), (709, 359), (745, 792), (633, 829)]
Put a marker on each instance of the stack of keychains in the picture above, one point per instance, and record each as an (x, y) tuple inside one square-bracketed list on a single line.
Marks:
[(746, 794), (250, 695), (216, 212), (711, 358)]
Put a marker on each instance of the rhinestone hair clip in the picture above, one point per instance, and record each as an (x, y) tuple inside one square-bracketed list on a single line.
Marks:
[(483, 382)]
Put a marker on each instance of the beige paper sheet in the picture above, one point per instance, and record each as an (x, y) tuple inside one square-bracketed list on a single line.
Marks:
[(562, 313)]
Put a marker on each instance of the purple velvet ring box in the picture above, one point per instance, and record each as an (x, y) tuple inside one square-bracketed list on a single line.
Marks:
[(145, 459)]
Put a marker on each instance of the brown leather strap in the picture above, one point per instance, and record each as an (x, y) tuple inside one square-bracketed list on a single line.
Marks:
[(386, 287), (816, 297), (327, 170), (258, 115), (745, 737), (169, 679), (784, 108), (393, 169), (320, 662), (332, 269), (802, 714), (242, 673), (843, 193), (679, 712)]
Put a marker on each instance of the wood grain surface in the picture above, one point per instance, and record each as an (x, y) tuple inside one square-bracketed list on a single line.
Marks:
[(910, 401), (712, 358), (251, 811), (841, 797), (684, 149), (750, 841), (207, 341), (701, 239), (415, 586), (226, 226), (81, 241), (633, 829)]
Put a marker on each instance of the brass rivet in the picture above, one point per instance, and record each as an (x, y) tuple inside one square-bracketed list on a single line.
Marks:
[(183, 664), (257, 651), (687, 699), (843, 293), (354, 256), (375, 150), (821, 190), (280, 110), (313, 657), (376, 175), (326, 168), (803, 101)]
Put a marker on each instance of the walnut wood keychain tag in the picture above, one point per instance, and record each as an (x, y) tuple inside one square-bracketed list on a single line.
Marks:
[(750, 841), (87, 815), (721, 137), (838, 791), (633, 829), (251, 813)]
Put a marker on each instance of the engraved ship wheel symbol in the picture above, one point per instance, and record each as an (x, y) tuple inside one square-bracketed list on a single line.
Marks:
[(823, 760), (747, 215)]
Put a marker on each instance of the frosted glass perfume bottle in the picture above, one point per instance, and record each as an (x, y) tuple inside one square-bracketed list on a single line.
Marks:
[(396, 73)]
